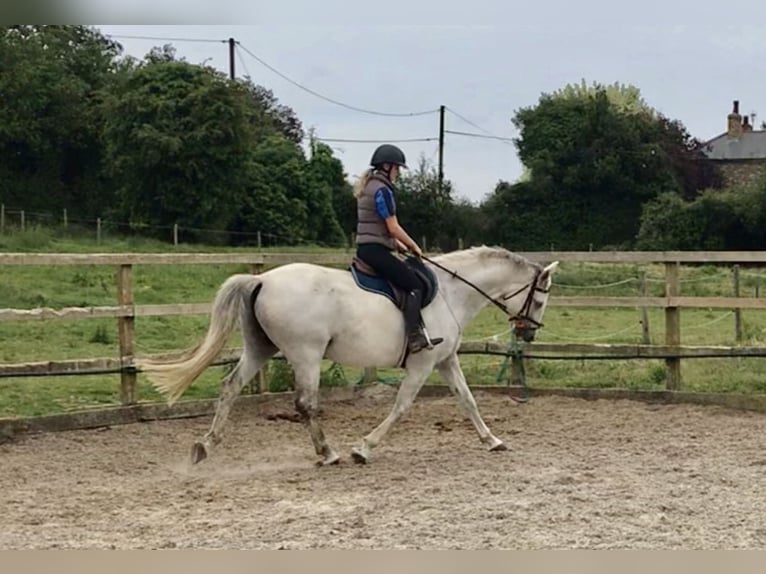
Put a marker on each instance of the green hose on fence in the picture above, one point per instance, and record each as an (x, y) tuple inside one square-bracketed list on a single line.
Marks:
[(516, 357)]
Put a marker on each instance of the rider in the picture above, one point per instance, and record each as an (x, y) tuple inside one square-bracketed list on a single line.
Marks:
[(378, 233)]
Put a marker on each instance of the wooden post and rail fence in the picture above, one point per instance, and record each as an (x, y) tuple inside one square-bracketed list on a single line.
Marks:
[(126, 311)]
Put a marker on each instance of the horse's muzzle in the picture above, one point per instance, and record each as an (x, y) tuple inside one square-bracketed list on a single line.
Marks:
[(528, 335), (525, 330)]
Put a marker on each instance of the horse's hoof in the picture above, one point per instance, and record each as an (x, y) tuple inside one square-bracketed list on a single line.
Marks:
[(499, 447), (199, 453), (358, 456), (333, 459)]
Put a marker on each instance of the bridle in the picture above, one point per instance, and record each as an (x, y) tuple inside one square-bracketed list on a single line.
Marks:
[(521, 320), (523, 314)]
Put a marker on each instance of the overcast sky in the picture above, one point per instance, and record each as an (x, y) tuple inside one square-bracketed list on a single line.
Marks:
[(483, 60)]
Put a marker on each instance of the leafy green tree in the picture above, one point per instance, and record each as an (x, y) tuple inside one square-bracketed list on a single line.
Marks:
[(178, 144), (594, 156), (624, 97), (275, 200), (424, 207), (732, 219), (335, 205), (51, 81), (684, 155), (529, 216), (269, 117), (597, 166)]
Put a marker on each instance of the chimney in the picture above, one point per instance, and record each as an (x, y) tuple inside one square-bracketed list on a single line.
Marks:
[(735, 122), (746, 127)]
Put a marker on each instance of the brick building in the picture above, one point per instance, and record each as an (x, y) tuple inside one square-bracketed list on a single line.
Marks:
[(740, 151)]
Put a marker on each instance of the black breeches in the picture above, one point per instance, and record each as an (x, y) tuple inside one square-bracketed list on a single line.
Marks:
[(388, 266)]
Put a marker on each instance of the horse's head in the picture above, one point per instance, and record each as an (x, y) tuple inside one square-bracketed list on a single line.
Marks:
[(518, 286), (531, 301)]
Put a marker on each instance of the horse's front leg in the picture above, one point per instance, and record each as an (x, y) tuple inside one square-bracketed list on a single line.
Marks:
[(408, 390), (453, 374)]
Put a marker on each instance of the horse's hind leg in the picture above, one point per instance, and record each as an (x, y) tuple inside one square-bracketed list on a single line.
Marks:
[(307, 404), (247, 367)]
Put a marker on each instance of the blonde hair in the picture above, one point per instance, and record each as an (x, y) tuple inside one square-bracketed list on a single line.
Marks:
[(361, 182)]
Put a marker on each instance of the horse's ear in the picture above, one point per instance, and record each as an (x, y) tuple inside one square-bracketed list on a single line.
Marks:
[(547, 271)]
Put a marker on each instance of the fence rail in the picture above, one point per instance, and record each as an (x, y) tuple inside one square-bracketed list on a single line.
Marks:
[(125, 310), (337, 258)]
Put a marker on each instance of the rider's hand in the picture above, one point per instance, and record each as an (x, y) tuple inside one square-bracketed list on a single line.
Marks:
[(416, 250)]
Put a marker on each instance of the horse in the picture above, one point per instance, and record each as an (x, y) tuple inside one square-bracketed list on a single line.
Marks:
[(311, 312)]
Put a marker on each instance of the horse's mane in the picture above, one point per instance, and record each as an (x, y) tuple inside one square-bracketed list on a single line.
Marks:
[(484, 252)]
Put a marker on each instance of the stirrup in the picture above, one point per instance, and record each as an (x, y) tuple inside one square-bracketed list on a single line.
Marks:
[(431, 342), (420, 340), (416, 342)]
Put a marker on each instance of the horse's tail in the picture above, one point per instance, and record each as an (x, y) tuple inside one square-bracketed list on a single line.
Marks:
[(173, 376)]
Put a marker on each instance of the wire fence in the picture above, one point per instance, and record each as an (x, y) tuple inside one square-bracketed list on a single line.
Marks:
[(101, 229)]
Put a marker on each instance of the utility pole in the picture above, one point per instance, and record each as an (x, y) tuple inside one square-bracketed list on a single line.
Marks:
[(441, 147), (232, 47)]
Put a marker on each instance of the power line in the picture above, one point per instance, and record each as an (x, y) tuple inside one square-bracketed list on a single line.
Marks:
[(331, 100), (406, 140), (473, 135), (478, 127), (164, 39), (244, 65)]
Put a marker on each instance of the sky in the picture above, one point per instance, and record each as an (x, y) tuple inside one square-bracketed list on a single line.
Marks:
[(483, 60)]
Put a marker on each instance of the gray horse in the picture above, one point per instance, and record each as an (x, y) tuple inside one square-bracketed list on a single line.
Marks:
[(311, 312)]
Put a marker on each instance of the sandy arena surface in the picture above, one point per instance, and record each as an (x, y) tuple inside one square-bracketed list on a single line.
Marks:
[(580, 474)]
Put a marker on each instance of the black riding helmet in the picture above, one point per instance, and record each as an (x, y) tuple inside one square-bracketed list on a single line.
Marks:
[(388, 153)]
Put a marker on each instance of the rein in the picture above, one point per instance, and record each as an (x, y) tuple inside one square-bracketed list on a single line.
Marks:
[(521, 315)]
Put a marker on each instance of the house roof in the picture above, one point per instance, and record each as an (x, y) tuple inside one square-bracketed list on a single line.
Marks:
[(750, 145)]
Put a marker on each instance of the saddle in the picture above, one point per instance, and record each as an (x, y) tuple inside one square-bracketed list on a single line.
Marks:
[(367, 279)]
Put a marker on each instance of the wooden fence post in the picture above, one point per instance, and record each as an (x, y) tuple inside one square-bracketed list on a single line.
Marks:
[(175, 234), (370, 375), (126, 329), (2, 219), (672, 326), (645, 339), (737, 311)]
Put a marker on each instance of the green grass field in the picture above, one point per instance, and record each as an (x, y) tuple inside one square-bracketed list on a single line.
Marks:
[(56, 287)]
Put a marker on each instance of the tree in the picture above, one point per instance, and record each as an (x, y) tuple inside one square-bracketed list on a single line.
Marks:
[(683, 151), (686, 159), (269, 117), (424, 207), (273, 204), (594, 163), (625, 98), (337, 204), (51, 81), (733, 219), (178, 145), (530, 215)]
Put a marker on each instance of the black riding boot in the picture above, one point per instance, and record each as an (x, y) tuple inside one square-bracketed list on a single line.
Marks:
[(416, 339)]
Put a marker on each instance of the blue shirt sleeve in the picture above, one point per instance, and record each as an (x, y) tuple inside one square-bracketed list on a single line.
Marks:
[(384, 202)]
